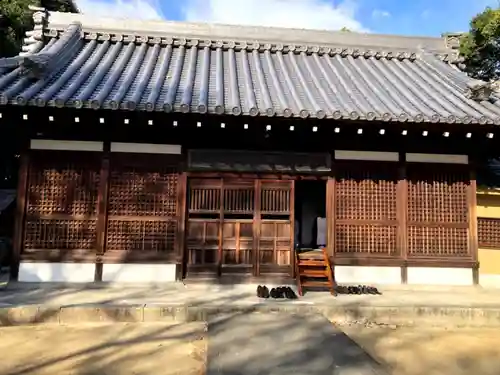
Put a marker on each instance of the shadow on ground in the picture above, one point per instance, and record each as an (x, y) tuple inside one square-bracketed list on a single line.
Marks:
[(240, 341)]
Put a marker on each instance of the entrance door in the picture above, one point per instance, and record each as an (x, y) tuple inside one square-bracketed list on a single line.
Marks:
[(239, 227)]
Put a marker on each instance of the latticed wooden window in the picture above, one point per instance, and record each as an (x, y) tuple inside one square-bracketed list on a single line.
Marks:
[(275, 198), (204, 196), (488, 232), (62, 202), (365, 209), (437, 211), (142, 206), (238, 197)]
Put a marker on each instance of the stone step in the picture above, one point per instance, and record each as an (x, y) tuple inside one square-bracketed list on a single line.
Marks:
[(342, 314)]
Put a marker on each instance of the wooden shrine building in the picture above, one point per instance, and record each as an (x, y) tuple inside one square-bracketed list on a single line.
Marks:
[(154, 151)]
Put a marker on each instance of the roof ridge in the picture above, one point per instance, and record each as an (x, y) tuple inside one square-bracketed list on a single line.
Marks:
[(40, 63), (251, 34), (34, 39)]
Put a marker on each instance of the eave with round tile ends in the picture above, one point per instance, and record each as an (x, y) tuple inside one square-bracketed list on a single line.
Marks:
[(88, 62)]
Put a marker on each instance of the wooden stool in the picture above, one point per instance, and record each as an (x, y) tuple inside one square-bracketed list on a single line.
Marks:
[(311, 265)]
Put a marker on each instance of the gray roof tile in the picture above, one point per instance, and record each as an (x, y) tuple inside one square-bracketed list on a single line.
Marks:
[(82, 68)]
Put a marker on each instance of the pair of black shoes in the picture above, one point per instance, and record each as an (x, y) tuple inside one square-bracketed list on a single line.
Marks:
[(276, 293), (360, 289)]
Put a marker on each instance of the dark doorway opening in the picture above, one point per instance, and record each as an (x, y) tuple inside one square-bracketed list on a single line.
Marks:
[(310, 214)]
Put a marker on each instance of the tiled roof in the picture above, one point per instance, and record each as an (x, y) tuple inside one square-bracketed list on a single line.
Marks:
[(196, 68)]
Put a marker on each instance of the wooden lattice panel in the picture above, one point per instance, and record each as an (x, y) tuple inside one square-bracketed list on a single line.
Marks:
[(60, 234), (365, 209), (488, 231), (437, 196), (438, 212), (374, 240), (202, 241), (61, 212), (63, 185), (137, 192), (275, 198), (275, 244), (437, 242), (366, 193), (142, 207), (237, 242), (141, 235)]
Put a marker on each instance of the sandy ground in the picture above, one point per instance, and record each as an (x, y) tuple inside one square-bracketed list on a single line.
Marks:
[(431, 351), (105, 349)]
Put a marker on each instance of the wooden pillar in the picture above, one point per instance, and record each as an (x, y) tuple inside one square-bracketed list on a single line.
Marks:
[(256, 227), (330, 217), (181, 224), (473, 238), (221, 230), (401, 212), (21, 202), (292, 227), (102, 215)]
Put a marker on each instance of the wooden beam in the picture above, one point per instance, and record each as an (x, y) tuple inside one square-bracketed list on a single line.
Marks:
[(22, 190)]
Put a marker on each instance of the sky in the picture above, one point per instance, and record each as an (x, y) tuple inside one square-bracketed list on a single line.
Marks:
[(405, 17)]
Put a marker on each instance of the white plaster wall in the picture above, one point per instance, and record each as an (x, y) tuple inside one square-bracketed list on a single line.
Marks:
[(56, 272), (139, 273), (49, 144), (437, 158), (364, 275), (146, 148), (440, 276), (366, 155), (489, 281)]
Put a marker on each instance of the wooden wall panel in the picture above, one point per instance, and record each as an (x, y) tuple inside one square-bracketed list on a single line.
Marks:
[(237, 242), (202, 242), (275, 243)]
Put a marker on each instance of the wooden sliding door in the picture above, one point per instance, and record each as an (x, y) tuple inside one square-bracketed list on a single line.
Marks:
[(275, 227), (239, 227)]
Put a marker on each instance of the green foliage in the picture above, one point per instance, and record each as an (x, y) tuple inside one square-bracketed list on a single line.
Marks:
[(345, 29), (16, 19), (481, 45)]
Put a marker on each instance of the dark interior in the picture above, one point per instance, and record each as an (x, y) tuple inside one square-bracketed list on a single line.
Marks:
[(310, 203)]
